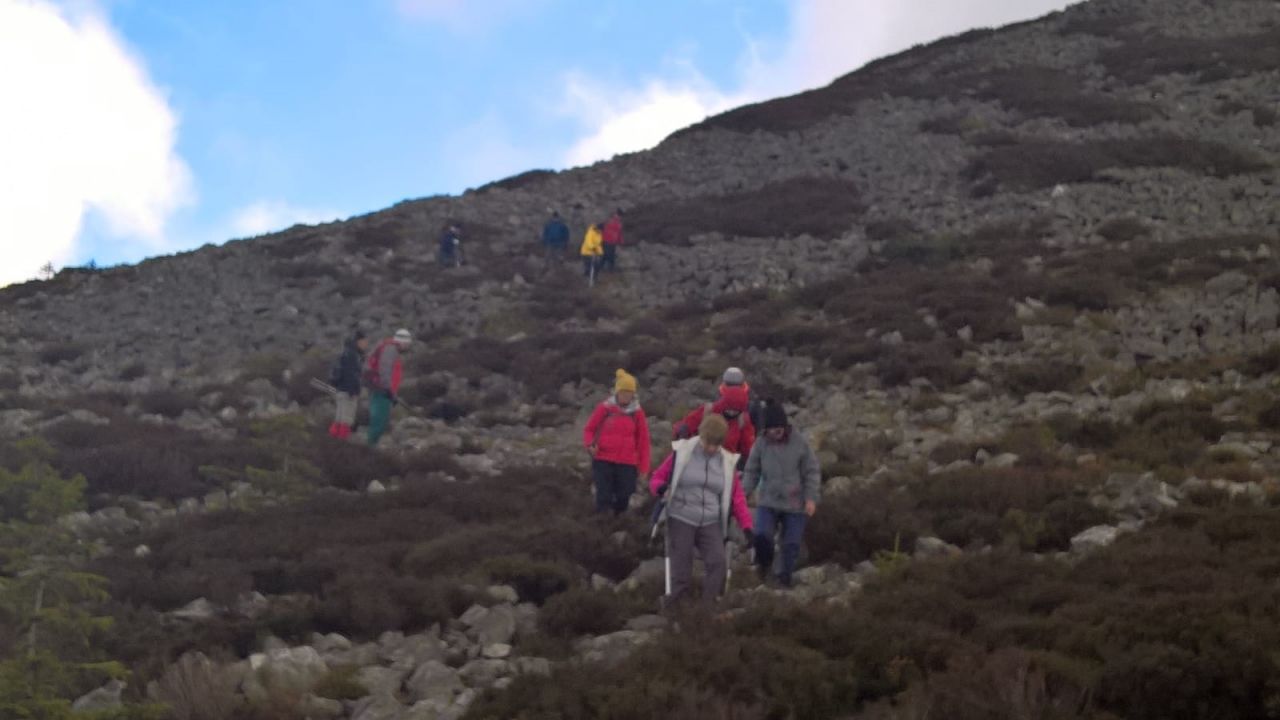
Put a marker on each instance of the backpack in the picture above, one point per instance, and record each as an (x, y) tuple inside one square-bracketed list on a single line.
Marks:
[(335, 370), (372, 375)]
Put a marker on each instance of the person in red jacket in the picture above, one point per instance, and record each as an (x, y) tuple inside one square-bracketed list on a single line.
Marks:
[(732, 406), (383, 370), (617, 438), (612, 241)]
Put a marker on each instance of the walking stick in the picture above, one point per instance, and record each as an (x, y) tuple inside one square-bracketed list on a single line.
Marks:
[(591, 278)]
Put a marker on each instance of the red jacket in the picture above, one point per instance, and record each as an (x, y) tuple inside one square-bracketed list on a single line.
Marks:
[(742, 433), (620, 436), (383, 369), (613, 231)]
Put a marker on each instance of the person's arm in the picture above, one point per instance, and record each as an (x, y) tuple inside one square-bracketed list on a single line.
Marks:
[(688, 427), (741, 512), (658, 481), (811, 471), (593, 425), (751, 474), (746, 439), (643, 443)]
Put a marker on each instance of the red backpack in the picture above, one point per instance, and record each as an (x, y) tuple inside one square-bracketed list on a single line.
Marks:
[(373, 365)]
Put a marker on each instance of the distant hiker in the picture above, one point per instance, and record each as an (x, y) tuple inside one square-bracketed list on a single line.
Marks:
[(617, 438), (555, 240), (345, 378), (382, 373), (592, 249), (451, 246), (785, 470), (612, 232), (732, 406), (700, 488)]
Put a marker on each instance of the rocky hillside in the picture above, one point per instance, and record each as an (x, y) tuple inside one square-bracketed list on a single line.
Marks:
[(1018, 287)]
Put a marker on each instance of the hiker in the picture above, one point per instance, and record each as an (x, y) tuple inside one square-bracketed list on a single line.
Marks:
[(555, 239), (451, 246), (382, 373), (701, 488), (734, 376), (732, 406), (345, 378), (612, 237), (785, 470), (617, 439), (592, 246)]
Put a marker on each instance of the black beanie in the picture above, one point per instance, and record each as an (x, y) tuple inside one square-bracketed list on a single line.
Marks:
[(774, 415)]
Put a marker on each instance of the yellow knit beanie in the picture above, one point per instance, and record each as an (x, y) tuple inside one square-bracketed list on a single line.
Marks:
[(625, 381)]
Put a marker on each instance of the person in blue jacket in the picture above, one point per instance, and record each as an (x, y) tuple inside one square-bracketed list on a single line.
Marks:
[(555, 240)]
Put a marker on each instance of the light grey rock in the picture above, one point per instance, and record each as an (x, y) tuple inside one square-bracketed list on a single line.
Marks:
[(932, 547), (503, 594), (498, 626), (106, 697), (378, 707), (293, 671), (434, 680), (380, 680), (496, 651), (1094, 538), (197, 610), (483, 673)]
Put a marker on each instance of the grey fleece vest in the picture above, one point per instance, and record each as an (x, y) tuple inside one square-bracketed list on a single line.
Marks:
[(683, 450), (696, 500)]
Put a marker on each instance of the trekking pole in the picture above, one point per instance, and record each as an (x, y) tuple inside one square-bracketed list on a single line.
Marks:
[(591, 278), (323, 386), (666, 561)]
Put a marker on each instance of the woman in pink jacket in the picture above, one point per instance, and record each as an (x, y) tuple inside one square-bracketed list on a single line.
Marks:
[(701, 490)]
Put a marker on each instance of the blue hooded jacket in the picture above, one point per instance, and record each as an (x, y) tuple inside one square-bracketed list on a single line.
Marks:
[(555, 232)]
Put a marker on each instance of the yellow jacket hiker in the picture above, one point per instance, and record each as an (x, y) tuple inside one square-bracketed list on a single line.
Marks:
[(593, 243)]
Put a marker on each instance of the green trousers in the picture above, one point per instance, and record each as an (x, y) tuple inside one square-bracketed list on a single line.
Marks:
[(379, 416)]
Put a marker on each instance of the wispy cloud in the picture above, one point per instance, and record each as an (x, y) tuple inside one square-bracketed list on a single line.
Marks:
[(825, 39), (84, 131), (271, 215)]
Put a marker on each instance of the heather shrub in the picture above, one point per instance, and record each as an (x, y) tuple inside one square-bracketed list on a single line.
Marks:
[(534, 580), (583, 611), (62, 352), (1041, 376), (1123, 229), (170, 402), (132, 371), (817, 206)]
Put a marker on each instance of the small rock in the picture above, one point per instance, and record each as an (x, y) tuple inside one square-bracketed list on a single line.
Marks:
[(376, 488), (198, 609), (106, 697), (1098, 536), (496, 651), (932, 547), (503, 593)]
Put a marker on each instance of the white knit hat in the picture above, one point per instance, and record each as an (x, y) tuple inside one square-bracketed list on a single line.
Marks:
[(402, 337), (734, 376)]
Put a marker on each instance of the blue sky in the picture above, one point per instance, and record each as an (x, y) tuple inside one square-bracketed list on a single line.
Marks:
[(161, 125)]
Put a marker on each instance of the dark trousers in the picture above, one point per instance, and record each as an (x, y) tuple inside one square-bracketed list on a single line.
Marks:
[(610, 261), (767, 521), (708, 540), (589, 262), (615, 484), (554, 254)]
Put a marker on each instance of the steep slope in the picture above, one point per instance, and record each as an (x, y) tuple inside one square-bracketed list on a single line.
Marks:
[(1017, 285)]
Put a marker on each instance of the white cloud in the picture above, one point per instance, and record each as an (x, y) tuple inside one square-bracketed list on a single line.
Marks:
[(83, 131), (270, 215), (826, 39), (630, 121)]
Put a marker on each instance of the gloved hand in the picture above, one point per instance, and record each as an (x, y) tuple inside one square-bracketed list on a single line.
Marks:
[(682, 432), (395, 399), (663, 490), (748, 537)]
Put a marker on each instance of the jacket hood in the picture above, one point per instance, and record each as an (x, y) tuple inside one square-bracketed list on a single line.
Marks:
[(628, 409)]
